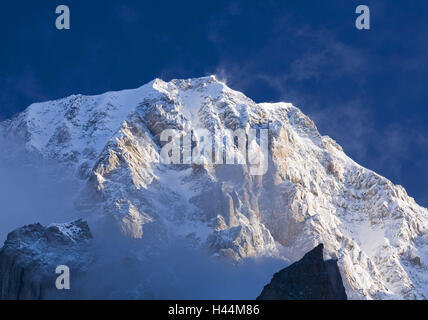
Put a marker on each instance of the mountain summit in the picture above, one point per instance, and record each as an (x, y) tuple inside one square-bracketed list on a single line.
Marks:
[(310, 191)]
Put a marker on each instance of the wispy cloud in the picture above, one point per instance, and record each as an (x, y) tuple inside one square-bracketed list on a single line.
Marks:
[(388, 147)]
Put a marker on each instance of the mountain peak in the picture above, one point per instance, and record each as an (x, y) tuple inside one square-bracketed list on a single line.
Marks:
[(311, 191)]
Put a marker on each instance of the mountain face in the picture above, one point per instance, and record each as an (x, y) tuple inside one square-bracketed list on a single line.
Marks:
[(303, 191), (310, 278), (32, 253)]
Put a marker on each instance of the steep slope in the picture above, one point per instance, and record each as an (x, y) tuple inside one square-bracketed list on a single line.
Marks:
[(32, 253), (311, 191)]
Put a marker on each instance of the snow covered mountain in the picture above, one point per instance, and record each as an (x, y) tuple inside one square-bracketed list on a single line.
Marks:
[(32, 252), (311, 193)]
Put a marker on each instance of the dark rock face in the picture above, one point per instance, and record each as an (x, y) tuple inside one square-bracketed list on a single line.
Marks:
[(310, 278), (31, 254)]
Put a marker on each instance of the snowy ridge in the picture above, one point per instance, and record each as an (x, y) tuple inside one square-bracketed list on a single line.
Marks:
[(31, 254), (312, 193)]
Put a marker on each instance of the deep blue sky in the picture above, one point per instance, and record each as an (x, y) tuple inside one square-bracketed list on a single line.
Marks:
[(366, 89)]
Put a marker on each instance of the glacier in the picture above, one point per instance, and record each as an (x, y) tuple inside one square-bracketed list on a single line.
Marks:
[(109, 146)]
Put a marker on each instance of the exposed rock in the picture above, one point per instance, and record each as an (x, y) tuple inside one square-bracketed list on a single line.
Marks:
[(31, 254), (310, 278), (312, 192)]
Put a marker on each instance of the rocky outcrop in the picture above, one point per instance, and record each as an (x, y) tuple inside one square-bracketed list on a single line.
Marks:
[(310, 278), (31, 254), (311, 193)]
